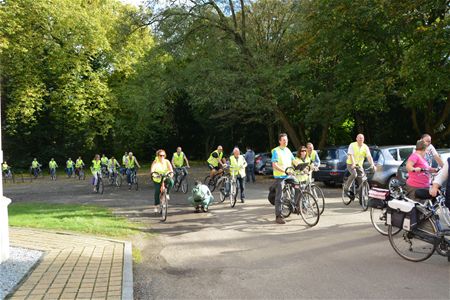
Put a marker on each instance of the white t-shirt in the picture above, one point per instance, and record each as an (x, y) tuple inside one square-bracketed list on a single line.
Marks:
[(430, 153)]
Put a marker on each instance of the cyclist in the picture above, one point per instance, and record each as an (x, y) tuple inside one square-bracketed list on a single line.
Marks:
[(313, 156), (96, 169), (431, 151), (6, 169), (250, 170), (281, 159), (79, 164), (302, 158), (178, 160), (356, 153), (52, 165), (416, 165), (130, 165), (440, 180), (237, 167), (35, 167), (69, 167), (162, 166), (216, 161), (113, 165), (124, 162)]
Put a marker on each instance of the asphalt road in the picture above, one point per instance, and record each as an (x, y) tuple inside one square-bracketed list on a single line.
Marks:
[(241, 253)]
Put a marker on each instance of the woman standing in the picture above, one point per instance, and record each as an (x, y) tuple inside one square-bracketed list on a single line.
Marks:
[(162, 166), (96, 169)]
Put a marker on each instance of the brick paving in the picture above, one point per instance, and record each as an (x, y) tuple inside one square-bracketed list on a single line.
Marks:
[(73, 266)]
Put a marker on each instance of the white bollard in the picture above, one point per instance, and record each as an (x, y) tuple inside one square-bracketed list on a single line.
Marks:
[(4, 232)]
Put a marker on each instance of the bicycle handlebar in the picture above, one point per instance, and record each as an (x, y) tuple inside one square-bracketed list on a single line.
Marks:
[(156, 175)]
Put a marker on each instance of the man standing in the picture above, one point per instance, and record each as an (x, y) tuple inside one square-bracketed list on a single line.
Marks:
[(281, 159), (237, 167), (356, 153), (250, 169), (431, 152)]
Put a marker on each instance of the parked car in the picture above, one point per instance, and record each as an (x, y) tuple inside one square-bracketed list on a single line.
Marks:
[(387, 159), (260, 162), (332, 165), (402, 174)]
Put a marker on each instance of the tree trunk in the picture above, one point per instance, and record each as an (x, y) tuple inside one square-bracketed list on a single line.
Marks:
[(292, 134), (323, 137)]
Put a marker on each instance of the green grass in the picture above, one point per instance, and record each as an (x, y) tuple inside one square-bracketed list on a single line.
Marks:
[(88, 219)]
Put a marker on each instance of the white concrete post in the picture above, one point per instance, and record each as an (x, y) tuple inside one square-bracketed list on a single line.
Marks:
[(4, 202)]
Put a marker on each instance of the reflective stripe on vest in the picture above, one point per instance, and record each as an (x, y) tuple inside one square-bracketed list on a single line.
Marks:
[(215, 161), (178, 160), (359, 154)]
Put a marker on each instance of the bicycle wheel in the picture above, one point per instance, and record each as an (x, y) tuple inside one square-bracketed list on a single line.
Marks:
[(136, 182), (318, 194), (82, 176), (364, 195), (118, 180), (221, 186), (100, 187), (184, 185), (378, 220), (163, 206), (345, 198), (177, 184), (286, 208), (309, 209), (210, 183), (233, 194), (410, 245)]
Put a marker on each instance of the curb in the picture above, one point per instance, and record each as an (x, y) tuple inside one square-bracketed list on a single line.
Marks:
[(127, 274)]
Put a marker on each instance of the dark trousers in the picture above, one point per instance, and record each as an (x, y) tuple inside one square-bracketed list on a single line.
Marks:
[(241, 185), (279, 185), (250, 173)]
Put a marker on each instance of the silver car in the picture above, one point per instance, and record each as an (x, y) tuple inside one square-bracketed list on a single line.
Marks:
[(387, 159)]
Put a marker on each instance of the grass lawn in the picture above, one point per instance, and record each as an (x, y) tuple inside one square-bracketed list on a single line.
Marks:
[(90, 219)]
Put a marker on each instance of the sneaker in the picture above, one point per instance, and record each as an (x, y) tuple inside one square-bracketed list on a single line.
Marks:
[(95, 190), (205, 209), (350, 194), (242, 200), (156, 210), (279, 220)]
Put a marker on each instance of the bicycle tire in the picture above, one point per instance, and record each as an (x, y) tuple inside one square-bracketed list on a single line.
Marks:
[(210, 183), (100, 186), (308, 208), (378, 220), (233, 194), (163, 206), (320, 197), (409, 246), (82, 176), (364, 195), (118, 180), (184, 185), (136, 182), (221, 187), (345, 198), (286, 209)]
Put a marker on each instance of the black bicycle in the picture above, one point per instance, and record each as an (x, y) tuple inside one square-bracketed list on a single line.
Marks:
[(79, 172), (115, 178), (164, 194), (133, 179), (99, 187), (181, 180), (356, 191)]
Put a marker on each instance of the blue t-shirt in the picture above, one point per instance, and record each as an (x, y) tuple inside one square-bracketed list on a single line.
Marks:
[(250, 157)]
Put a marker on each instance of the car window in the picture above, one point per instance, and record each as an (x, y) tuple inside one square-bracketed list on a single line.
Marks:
[(405, 153), (394, 154), (328, 154), (342, 154), (375, 154)]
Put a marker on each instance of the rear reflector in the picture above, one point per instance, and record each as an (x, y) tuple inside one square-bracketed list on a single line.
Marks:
[(334, 173)]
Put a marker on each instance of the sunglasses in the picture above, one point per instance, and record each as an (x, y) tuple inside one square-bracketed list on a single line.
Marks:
[(162, 155), (302, 150)]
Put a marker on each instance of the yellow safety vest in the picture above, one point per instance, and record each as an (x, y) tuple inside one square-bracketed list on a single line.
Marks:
[(79, 163), (69, 164), (96, 166), (215, 161), (52, 164), (5, 167), (359, 154), (296, 162), (34, 164), (237, 166), (131, 162), (284, 161), (160, 168), (178, 160), (313, 156)]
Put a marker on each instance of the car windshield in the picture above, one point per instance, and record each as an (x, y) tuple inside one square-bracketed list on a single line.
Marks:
[(328, 154)]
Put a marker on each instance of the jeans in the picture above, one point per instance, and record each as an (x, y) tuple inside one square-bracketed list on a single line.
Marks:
[(129, 172), (241, 185), (69, 171), (250, 172), (169, 184), (52, 172), (279, 185), (357, 172)]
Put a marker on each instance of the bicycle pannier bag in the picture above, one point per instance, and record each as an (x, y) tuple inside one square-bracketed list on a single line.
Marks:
[(402, 214), (378, 198)]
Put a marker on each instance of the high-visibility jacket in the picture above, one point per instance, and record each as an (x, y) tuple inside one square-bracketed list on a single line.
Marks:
[(34, 164), (52, 164), (359, 154), (237, 166), (213, 161), (178, 159), (96, 166), (130, 162), (69, 164), (297, 161), (79, 163), (285, 159), (160, 168)]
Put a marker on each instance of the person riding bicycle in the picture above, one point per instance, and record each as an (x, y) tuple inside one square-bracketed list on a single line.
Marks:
[(79, 164), (418, 172), (130, 165), (431, 152), (313, 156), (52, 165), (216, 161), (104, 164), (237, 167), (96, 170), (113, 165), (303, 158), (281, 159), (35, 167), (161, 166), (6, 169), (69, 167), (356, 153), (178, 160), (440, 180)]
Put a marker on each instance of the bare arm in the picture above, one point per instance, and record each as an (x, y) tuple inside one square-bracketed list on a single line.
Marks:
[(439, 161)]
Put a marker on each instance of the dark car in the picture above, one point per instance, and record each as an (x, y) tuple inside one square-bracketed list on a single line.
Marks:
[(402, 174), (260, 162), (332, 165)]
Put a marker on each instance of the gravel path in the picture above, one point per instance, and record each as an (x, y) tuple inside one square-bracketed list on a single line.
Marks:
[(16, 267)]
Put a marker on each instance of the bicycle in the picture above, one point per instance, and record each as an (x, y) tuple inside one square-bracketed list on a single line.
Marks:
[(8, 175), (164, 195), (99, 187), (53, 174), (378, 203), (181, 180), (133, 178), (79, 172), (36, 172), (417, 242), (360, 192), (223, 183), (310, 187), (115, 178), (212, 182), (294, 200)]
